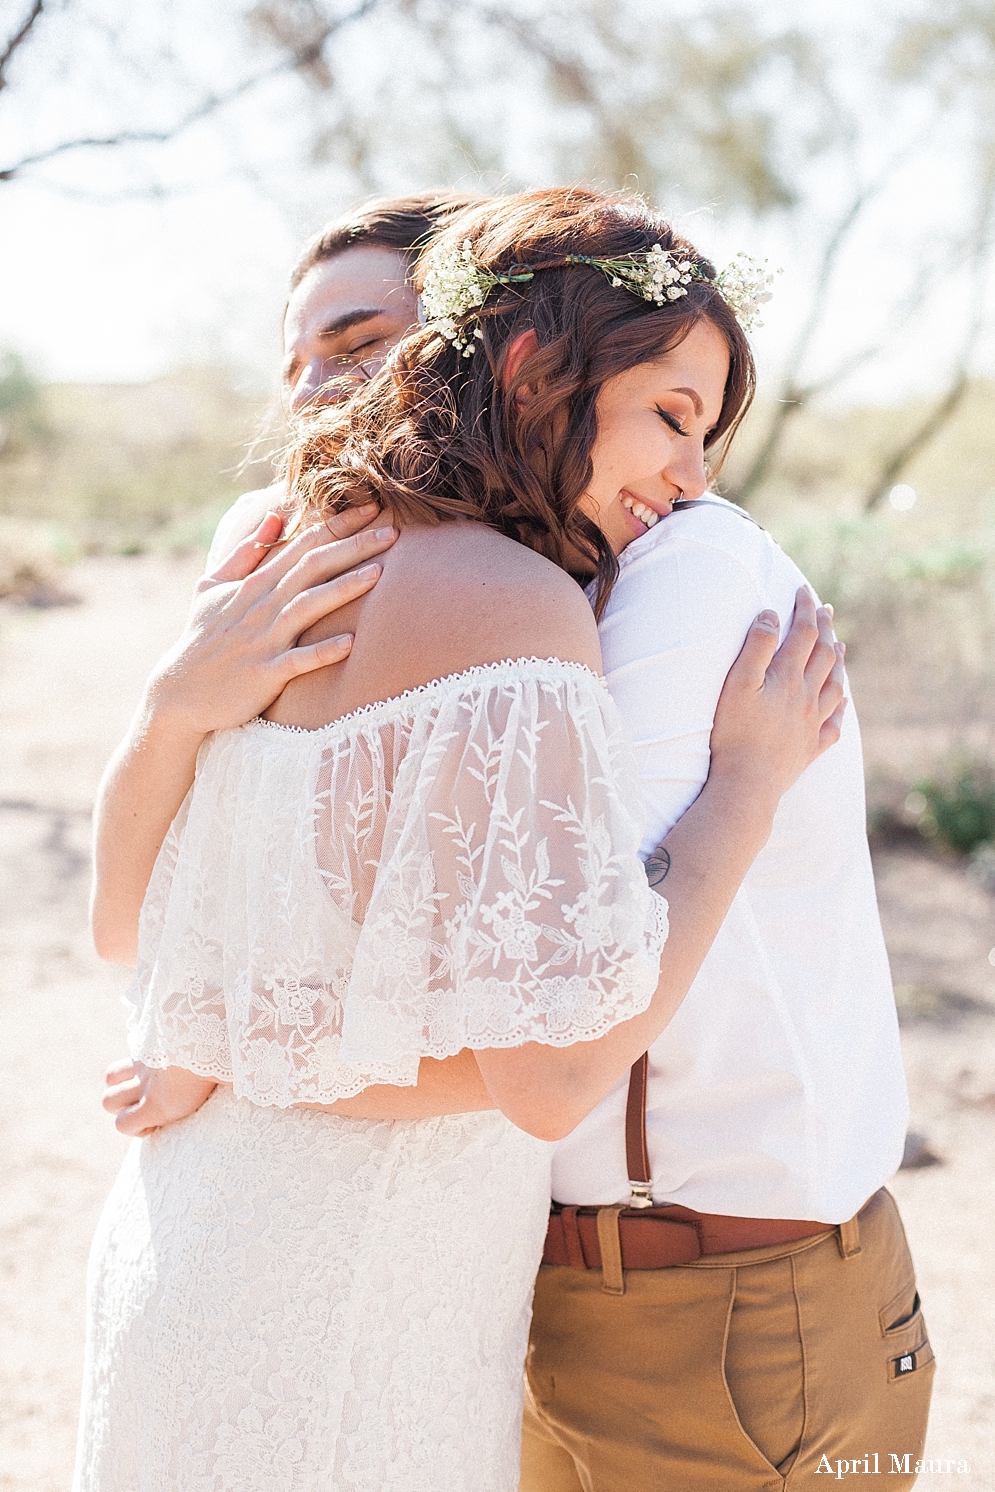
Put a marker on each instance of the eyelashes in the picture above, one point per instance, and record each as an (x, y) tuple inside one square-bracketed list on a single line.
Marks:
[(673, 422)]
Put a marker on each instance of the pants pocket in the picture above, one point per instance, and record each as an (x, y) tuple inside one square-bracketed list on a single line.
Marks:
[(764, 1361), (903, 1329)]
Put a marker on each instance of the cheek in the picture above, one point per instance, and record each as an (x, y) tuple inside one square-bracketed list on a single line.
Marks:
[(614, 451)]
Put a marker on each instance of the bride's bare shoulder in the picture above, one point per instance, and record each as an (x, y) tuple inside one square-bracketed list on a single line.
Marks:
[(483, 597), (450, 597)]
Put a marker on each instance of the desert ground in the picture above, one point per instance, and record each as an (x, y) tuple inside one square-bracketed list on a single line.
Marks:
[(69, 678)]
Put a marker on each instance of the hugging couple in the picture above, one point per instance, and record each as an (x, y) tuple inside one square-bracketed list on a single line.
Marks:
[(510, 988)]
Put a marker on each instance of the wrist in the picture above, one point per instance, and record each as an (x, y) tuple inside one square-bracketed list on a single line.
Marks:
[(746, 789), (163, 715)]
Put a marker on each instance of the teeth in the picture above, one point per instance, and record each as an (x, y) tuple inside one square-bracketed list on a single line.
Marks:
[(640, 510)]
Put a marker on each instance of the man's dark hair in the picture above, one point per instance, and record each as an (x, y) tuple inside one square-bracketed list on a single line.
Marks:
[(404, 224)]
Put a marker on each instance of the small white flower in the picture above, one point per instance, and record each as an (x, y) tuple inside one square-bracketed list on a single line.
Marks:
[(745, 285), (454, 286)]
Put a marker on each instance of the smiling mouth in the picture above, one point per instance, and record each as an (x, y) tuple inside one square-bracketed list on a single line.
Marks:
[(647, 516)]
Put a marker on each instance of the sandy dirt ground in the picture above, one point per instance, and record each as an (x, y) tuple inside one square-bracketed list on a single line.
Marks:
[(69, 678)]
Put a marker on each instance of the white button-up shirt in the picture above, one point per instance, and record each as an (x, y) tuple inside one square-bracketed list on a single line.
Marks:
[(777, 1090)]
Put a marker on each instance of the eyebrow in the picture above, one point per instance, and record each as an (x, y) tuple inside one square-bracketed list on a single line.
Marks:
[(695, 400), (350, 318)]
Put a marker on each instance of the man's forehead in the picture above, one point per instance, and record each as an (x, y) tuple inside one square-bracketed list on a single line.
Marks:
[(363, 277)]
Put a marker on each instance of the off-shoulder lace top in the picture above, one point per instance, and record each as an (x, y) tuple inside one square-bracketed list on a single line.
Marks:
[(456, 867)]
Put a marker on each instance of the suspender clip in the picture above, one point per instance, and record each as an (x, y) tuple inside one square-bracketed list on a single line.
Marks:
[(641, 1193)]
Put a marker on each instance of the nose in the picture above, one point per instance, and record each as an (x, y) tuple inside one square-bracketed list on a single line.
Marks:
[(303, 393), (687, 471), (321, 383)]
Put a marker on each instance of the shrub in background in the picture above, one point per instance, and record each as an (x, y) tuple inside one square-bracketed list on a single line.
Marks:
[(957, 810)]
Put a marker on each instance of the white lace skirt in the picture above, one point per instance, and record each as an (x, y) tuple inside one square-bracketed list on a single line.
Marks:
[(285, 1301)]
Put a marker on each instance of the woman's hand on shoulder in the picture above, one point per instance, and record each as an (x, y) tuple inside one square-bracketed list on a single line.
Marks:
[(144, 1099), (239, 648), (781, 707)]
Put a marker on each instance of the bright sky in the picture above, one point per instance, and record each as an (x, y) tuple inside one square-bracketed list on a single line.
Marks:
[(102, 281)]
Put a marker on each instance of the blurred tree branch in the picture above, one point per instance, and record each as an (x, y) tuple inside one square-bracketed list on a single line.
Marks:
[(19, 37), (794, 394), (303, 58)]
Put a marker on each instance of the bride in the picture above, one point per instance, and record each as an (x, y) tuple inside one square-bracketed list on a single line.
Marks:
[(400, 921)]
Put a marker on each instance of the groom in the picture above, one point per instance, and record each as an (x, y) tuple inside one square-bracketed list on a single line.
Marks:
[(773, 1329), (778, 1330)]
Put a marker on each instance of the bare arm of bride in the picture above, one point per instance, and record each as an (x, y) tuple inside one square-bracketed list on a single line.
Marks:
[(237, 653), (144, 1099)]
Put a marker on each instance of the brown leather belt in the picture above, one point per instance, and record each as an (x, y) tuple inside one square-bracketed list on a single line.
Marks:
[(653, 1237)]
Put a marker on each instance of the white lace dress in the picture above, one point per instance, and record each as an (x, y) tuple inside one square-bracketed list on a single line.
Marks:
[(289, 1301)]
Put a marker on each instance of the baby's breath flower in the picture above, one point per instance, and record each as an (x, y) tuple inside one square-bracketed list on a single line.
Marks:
[(455, 284), (745, 284)]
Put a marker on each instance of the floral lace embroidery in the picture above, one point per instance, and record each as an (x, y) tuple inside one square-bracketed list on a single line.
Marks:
[(282, 1301), (455, 867)]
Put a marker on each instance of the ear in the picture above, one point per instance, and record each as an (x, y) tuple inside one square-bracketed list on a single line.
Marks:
[(525, 345)]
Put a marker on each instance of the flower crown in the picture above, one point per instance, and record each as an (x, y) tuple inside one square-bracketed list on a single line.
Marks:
[(456, 285)]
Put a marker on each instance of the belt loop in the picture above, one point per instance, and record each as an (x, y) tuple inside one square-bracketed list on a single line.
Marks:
[(849, 1238), (610, 1243), (571, 1239)]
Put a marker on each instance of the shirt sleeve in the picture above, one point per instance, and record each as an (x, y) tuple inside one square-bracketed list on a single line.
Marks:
[(675, 624)]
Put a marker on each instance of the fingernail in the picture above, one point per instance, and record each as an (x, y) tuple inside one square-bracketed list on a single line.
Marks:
[(841, 650), (384, 533), (370, 508), (829, 611), (368, 572), (769, 619), (345, 640)]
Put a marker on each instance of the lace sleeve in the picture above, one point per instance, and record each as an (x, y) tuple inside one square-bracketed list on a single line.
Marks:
[(509, 904), (457, 867)]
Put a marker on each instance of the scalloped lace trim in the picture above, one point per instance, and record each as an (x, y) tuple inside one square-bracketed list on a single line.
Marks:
[(433, 686)]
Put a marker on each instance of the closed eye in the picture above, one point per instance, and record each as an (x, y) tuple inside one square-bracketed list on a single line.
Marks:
[(672, 421)]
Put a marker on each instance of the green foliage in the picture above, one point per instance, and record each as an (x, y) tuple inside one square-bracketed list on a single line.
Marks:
[(959, 809), (20, 406), (18, 389)]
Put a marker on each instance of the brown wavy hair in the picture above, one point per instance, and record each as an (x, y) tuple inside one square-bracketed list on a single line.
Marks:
[(437, 436)]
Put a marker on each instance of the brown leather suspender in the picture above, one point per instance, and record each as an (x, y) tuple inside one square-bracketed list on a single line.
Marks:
[(613, 1239), (637, 1154)]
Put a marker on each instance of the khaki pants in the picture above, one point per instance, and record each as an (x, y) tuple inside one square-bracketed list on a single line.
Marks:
[(740, 1371)]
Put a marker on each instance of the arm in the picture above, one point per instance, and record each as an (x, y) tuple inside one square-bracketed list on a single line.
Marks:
[(144, 1099), (775, 715), (675, 627), (237, 653)]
